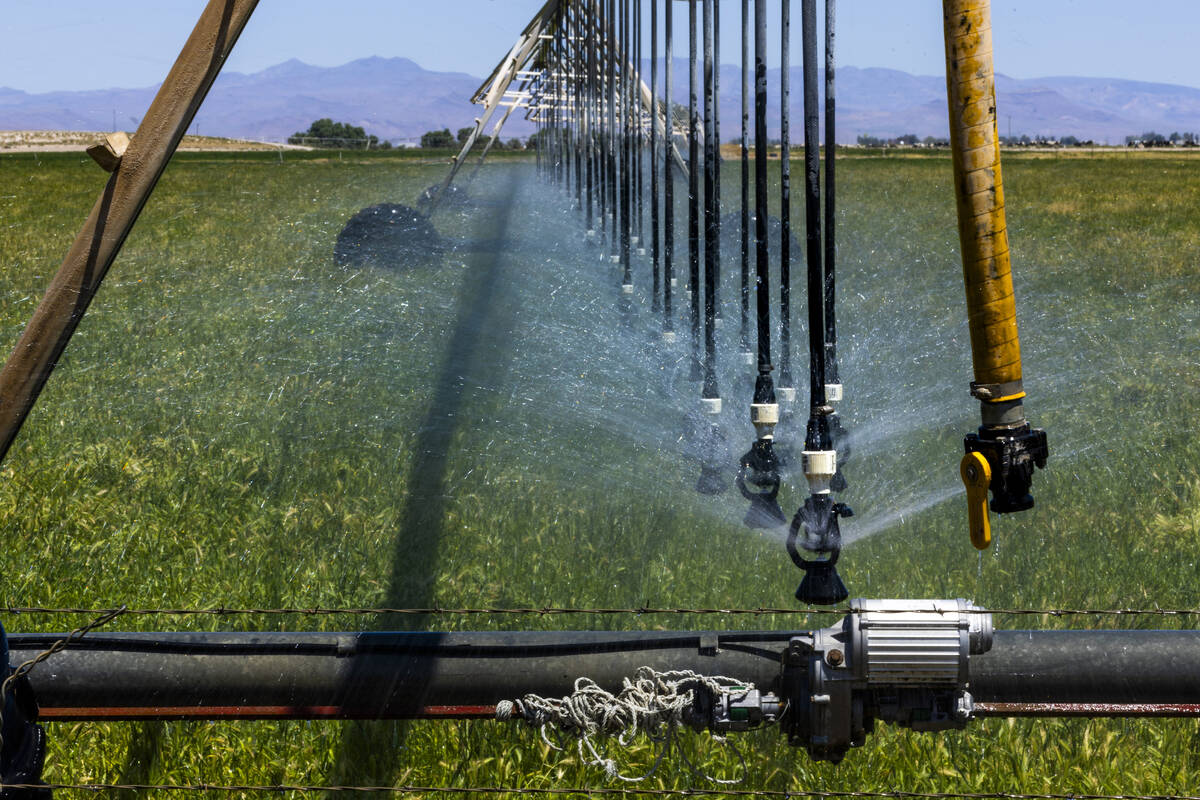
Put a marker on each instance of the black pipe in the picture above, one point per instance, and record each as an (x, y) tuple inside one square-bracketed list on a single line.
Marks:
[(655, 220), (716, 125), (613, 131), (598, 106), (1089, 667), (764, 390), (626, 153), (758, 475), (785, 198), (711, 210), (668, 181), (746, 89), (589, 142), (562, 164), (356, 675), (639, 131), (694, 189), (818, 438), (577, 115), (397, 675)]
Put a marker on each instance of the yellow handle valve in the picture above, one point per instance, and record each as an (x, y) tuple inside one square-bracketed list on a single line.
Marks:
[(977, 477)]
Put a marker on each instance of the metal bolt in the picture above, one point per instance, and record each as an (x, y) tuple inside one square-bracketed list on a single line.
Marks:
[(835, 658)]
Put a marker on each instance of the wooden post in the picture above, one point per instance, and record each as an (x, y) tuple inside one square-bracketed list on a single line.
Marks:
[(135, 175)]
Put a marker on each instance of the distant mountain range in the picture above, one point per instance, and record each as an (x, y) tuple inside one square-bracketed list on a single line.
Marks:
[(396, 99)]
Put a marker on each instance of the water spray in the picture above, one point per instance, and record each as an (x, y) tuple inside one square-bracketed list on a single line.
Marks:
[(1002, 455)]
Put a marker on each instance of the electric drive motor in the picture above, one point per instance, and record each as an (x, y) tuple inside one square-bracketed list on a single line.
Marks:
[(900, 661)]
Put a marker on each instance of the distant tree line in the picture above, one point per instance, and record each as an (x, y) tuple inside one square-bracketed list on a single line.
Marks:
[(338, 136), (1152, 139), (904, 140), (1148, 139), (1025, 140), (444, 139)]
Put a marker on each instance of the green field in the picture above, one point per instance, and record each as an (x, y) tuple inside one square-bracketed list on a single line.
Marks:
[(239, 422)]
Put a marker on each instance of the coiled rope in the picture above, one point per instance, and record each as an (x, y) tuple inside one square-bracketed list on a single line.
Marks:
[(651, 702)]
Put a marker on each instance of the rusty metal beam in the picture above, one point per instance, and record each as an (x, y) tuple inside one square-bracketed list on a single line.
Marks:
[(1090, 710), (113, 217), (491, 93)]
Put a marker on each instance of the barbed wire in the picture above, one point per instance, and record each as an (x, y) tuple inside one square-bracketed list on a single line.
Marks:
[(221, 611), (585, 791)]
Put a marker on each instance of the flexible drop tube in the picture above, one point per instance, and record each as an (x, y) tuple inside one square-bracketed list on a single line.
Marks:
[(1002, 456), (991, 311)]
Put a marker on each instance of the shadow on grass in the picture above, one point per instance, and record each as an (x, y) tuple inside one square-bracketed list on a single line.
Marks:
[(370, 752)]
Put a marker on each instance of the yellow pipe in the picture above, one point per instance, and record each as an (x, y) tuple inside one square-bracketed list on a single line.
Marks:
[(982, 231)]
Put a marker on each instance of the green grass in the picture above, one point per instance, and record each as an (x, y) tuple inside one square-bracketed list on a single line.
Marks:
[(239, 422)]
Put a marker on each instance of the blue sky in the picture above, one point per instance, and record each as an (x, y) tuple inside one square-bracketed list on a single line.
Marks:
[(48, 45)]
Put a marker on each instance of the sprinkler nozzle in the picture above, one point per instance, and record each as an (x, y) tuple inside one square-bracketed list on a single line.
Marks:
[(758, 480), (818, 552), (822, 586)]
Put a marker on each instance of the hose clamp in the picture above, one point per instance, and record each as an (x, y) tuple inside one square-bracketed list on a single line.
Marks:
[(998, 392)]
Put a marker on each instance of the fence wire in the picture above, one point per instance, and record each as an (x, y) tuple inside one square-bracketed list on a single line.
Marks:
[(213, 788), (221, 611)]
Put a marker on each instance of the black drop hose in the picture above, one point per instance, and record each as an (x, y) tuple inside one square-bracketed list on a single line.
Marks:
[(655, 217), (812, 201), (668, 178), (831, 363), (785, 197), (694, 187), (712, 254), (746, 90), (764, 391)]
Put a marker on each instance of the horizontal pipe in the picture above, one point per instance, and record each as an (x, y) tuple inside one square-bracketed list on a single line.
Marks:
[(361, 675), (1082, 667), (207, 712), (117, 676)]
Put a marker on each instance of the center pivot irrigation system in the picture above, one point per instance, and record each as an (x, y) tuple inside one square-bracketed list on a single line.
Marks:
[(606, 136)]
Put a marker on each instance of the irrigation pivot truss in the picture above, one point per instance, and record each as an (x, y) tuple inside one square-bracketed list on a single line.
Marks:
[(576, 70)]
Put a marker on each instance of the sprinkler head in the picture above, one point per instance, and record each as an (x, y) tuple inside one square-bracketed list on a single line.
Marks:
[(758, 481), (822, 586), (819, 549), (713, 455)]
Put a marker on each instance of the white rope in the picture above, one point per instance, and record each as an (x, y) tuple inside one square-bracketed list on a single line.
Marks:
[(651, 702)]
